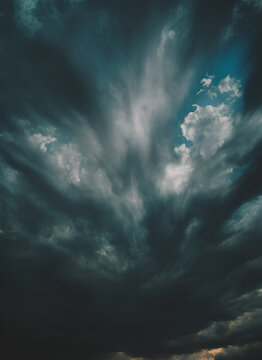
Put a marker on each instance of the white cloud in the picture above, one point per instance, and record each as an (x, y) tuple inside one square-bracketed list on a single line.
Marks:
[(208, 128), (152, 97), (231, 86), (228, 85), (177, 174), (42, 140), (206, 82), (200, 166)]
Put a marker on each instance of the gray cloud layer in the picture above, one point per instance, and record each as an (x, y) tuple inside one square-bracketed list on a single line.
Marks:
[(130, 219)]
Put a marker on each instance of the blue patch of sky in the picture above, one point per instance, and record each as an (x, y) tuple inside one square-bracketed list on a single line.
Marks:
[(228, 62), (237, 172)]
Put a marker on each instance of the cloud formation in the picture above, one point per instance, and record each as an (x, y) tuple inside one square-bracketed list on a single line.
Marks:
[(130, 180)]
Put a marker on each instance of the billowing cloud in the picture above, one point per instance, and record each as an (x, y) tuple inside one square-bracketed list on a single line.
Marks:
[(208, 127)]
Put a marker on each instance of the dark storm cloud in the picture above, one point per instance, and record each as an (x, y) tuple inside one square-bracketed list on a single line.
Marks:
[(118, 241)]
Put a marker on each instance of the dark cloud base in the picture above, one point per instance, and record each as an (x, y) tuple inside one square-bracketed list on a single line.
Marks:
[(102, 255)]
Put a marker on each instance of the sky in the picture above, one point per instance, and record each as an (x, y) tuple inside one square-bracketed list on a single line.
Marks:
[(131, 179)]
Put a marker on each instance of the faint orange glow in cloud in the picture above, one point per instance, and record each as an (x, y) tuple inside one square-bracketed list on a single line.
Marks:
[(201, 355)]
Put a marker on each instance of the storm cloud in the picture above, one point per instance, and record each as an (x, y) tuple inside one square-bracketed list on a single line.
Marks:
[(131, 179)]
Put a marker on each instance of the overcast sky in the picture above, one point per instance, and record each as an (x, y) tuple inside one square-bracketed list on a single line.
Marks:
[(131, 179)]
